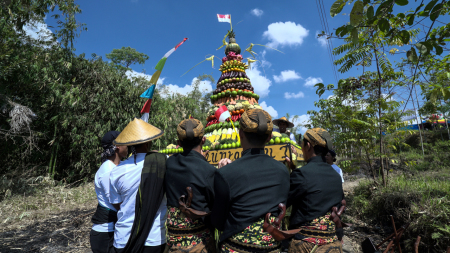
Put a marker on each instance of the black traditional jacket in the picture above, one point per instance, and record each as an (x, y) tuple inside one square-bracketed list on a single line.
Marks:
[(246, 190), (190, 169), (315, 189)]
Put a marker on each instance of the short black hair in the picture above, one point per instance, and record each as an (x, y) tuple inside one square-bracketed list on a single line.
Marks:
[(187, 145), (256, 139), (318, 150)]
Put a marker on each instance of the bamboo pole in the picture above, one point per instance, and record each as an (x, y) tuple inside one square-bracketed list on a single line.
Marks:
[(416, 112)]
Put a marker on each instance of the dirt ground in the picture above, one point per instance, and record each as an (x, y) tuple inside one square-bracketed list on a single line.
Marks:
[(67, 228)]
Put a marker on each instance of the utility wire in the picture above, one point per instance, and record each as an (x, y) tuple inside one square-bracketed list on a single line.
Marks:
[(325, 29)]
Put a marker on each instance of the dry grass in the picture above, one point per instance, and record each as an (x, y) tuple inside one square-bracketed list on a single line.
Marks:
[(51, 219)]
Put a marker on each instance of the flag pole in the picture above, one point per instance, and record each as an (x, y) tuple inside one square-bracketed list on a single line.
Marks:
[(237, 134)]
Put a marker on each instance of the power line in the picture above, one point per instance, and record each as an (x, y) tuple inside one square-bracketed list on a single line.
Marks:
[(330, 44), (324, 24)]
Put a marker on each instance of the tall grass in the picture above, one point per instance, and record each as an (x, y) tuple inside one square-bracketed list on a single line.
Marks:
[(422, 199)]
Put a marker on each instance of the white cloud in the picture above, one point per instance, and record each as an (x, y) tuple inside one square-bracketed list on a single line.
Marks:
[(134, 74), (300, 122), (285, 34), (168, 89), (322, 39), (257, 12), (205, 86), (269, 109), (38, 31), (288, 95), (259, 82), (264, 62), (311, 81), (286, 75)]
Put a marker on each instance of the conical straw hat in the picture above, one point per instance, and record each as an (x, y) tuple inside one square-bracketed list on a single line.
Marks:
[(277, 121), (138, 132)]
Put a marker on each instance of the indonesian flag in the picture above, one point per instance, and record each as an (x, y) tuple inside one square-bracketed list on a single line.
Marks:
[(224, 18), (222, 113)]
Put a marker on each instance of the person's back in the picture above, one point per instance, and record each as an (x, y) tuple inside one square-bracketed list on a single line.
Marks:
[(314, 189), (125, 183), (105, 216), (321, 189), (257, 184), (249, 188), (189, 169)]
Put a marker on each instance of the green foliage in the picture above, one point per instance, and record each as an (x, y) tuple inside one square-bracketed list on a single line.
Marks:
[(383, 27), (422, 200), (168, 110), (126, 56), (76, 100), (351, 116)]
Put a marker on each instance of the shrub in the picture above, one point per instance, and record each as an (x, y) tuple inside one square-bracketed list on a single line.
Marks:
[(422, 200)]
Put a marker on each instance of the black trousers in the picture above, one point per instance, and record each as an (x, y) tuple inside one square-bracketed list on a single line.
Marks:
[(101, 241), (147, 249)]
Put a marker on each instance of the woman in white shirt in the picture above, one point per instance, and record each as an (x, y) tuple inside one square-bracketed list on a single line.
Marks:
[(102, 233)]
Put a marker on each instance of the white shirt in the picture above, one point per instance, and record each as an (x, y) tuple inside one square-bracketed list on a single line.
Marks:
[(101, 182), (125, 180), (291, 135), (339, 171)]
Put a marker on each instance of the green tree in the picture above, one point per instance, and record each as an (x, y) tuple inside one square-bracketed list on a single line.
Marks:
[(125, 57), (169, 109)]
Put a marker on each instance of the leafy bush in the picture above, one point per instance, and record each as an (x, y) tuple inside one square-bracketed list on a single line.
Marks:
[(422, 200), (77, 101)]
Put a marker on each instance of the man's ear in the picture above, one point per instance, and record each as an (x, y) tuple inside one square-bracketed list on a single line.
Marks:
[(203, 141), (179, 143), (309, 145)]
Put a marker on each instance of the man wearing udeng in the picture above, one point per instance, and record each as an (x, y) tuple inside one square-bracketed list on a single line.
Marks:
[(315, 189), (190, 169), (249, 188)]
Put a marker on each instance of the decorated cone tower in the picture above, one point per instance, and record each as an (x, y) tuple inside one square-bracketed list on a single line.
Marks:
[(232, 97), (235, 91)]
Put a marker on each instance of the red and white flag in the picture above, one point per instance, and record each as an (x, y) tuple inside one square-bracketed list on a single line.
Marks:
[(222, 113), (224, 18)]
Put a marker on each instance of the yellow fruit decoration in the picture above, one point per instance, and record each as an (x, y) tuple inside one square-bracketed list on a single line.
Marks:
[(276, 134), (245, 105)]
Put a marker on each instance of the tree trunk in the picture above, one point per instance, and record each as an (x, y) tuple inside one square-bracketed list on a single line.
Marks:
[(379, 116), (418, 116)]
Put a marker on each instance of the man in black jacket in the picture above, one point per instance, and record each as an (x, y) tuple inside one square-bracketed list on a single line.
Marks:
[(248, 188), (189, 169), (314, 189)]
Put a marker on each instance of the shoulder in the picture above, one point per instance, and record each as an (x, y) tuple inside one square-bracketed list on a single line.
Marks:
[(106, 166), (156, 156), (122, 168), (173, 157), (335, 167)]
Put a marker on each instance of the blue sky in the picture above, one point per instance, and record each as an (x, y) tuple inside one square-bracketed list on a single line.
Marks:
[(283, 80)]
